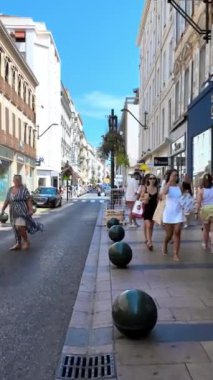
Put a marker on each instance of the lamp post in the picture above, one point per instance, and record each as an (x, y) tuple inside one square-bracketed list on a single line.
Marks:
[(51, 125), (113, 124)]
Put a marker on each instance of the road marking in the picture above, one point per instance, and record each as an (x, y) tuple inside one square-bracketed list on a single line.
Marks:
[(92, 200), (83, 200)]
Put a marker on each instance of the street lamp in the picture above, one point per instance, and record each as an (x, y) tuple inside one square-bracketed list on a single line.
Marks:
[(145, 115), (51, 125)]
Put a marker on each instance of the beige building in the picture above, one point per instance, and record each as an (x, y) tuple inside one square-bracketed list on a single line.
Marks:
[(17, 115), (175, 63)]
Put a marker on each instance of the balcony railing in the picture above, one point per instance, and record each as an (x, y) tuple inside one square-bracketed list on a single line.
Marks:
[(12, 142), (11, 95)]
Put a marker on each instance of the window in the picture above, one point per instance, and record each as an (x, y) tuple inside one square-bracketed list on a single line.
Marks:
[(25, 133), (19, 86), (7, 121), (164, 69), (19, 130), (20, 35), (177, 100), (6, 74), (14, 125), (170, 58), (24, 92), (29, 97), (186, 88), (170, 114), (202, 66), (30, 133), (163, 124), (33, 103), (14, 79)]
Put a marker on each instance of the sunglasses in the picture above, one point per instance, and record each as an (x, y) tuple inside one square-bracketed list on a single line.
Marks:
[(152, 178)]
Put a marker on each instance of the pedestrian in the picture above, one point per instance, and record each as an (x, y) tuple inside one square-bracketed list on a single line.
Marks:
[(131, 196), (21, 211), (205, 209), (173, 215), (187, 201), (149, 195)]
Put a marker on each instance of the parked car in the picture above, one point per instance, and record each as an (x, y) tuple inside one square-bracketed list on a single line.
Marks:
[(47, 196)]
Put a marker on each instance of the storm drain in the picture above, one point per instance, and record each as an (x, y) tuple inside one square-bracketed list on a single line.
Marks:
[(87, 367)]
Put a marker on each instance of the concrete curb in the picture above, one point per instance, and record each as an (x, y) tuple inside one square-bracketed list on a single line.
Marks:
[(90, 330)]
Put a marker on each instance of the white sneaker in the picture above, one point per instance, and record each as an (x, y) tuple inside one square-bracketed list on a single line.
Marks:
[(204, 246)]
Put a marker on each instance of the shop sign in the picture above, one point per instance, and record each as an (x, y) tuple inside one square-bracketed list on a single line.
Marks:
[(161, 161), (178, 145), (20, 159)]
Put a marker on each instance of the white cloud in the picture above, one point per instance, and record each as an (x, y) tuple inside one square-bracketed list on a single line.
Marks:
[(97, 104)]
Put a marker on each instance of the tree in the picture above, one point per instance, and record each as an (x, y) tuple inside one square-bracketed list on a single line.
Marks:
[(113, 141)]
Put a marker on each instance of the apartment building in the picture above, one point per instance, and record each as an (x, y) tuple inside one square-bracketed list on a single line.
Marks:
[(17, 116), (37, 45), (173, 86)]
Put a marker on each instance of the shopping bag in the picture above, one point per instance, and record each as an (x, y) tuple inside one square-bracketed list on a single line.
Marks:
[(158, 214), (187, 203), (137, 211)]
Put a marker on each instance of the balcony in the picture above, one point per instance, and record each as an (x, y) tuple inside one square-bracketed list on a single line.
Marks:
[(17, 101), (12, 142)]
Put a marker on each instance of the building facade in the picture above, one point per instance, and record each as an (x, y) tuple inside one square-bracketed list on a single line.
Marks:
[(129, 128), (17, 116), (181, 69), (36, 44)]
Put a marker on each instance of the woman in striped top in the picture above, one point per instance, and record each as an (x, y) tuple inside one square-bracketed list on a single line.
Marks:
[(21, 211)]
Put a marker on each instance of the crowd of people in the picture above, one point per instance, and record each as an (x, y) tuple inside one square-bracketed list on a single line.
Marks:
[(170, 203)]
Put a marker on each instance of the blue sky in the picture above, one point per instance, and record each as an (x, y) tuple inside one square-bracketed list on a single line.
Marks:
[(96, 40)]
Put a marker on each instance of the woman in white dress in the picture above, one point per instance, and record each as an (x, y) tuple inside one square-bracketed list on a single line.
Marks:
[(173, 215)]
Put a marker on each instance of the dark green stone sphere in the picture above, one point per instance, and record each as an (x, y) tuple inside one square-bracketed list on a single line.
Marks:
[(134, 313), (112, 222), (4, 218), (120, 254), (116, 233)]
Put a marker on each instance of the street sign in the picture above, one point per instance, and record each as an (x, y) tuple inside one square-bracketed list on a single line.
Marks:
[(161, 161)]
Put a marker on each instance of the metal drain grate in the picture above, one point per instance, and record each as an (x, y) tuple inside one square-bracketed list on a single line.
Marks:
[(87, 367)]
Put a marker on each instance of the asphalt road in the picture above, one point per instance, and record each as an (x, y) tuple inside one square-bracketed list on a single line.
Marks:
[(38, 290)]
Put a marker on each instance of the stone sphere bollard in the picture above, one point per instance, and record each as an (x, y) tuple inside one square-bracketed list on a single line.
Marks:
[(134, 313), (120, 254), (112, 222), (4, 218), (116, 233)]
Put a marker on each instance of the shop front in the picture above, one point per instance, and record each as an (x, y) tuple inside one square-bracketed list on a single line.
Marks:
[(178, 155), (200, 135), (6, 158)]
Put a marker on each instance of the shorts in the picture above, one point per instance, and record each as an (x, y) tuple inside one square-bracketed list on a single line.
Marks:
[(20, 222), (206, 213)]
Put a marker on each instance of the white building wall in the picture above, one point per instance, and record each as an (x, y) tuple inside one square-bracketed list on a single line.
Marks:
[(132, 134), (42, 56)]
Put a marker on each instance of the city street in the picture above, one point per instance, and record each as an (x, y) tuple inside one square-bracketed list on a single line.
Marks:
[(38, 289)]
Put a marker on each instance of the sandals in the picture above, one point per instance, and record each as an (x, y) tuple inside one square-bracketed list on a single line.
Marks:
[(149, 245), (15, 247)]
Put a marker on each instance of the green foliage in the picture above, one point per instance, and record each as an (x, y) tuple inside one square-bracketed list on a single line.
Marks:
[(112, 141), (122, 159)]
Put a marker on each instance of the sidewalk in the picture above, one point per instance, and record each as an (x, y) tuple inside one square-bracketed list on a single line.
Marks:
[(180, 346)]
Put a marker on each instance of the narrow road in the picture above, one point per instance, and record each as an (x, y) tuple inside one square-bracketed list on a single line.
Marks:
[(38, 290)]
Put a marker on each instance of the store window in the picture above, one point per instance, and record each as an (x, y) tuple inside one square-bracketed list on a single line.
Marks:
[(202, 155)]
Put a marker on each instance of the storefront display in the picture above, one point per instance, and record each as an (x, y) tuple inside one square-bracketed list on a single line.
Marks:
[(4, 178), (202, 155), (178, 155)]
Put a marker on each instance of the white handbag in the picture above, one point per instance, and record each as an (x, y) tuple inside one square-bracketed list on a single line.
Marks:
[(137, 211)]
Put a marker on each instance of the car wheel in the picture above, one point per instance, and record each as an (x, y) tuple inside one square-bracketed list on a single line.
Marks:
[(53, 205)]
